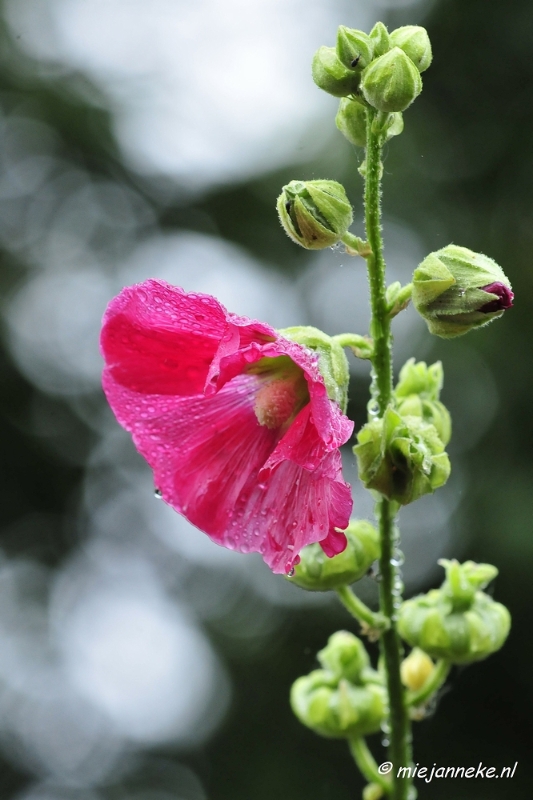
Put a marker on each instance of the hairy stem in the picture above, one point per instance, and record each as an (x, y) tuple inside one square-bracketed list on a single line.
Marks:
[(366, 763), (360, 611), (399, 723)]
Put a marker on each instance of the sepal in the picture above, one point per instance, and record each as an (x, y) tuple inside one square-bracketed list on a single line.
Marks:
[(330, 74), (391, 82), (414, 41)]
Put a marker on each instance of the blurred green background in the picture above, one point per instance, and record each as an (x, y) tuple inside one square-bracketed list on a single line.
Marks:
[(83, 210)]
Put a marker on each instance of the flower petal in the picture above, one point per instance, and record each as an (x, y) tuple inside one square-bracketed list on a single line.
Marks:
[(157, 339)]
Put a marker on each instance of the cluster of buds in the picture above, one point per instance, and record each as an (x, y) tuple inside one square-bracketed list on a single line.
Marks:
[(318, 573), (345, 698), (379, 69), (458, 622)]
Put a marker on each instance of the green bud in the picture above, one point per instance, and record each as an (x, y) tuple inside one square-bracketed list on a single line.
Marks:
[(346, 697), (417, 378), (330, 74), (401, 457), (373, 791), (314, 214), (345, 656), (318, 573), (380, 39), (457, 622), (414, 41), (417, 395), (391, 82), (332, 361), (464, 580), (351, 121), (354, 48), (456, 290), (397, 296), (416, 669)]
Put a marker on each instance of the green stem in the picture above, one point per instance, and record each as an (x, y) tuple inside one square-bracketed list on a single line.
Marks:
[(434, 682), (399, 723), (360, 611), (367, 764)]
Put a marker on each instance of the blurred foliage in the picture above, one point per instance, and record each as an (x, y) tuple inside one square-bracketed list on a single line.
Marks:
[(462, 171)]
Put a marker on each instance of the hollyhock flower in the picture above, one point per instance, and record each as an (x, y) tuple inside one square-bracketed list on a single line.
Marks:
[(233, 418)]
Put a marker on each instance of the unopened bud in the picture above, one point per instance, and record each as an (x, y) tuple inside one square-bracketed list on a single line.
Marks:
[(403, 458), (318, 573), (354, 48), (330, 74), (351, 121), (456, 290), (417, 395), (380, 39), (416, 669), (414, 41), (391, 82), (457, 622), (315, 214), (345, 657)]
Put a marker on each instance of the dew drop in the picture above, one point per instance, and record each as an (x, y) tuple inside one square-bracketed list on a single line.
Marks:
[(385, 742), (291, 572), (158, 494)]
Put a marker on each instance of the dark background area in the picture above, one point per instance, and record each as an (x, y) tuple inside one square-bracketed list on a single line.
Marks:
[(462, 171)]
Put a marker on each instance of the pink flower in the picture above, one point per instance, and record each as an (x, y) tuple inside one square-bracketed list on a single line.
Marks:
[(233, 418)]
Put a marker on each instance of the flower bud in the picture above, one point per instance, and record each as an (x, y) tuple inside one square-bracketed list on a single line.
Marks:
[(456, 290), (457, 622), (346, 698), (401, 457), (315, 214), (318, 573), (345, 657), (380, 39), (417, 395), (351, 121), (391, 82), (414, 41), (416, 669), (330, 74), (373, 791), (354, 48), (332, 361)]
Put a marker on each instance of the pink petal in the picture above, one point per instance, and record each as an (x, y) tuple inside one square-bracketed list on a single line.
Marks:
[(158, 340)]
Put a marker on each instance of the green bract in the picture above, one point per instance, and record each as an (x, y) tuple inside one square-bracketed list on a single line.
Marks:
[(330, 74), (315, 214), (455, 290), (414, 41), (457, 622), (391, 82), (401, 457), (417, 395), (319, 573), (332, 361), (346, 697)]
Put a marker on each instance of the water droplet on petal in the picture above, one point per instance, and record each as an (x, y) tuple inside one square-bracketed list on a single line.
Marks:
[(291, 572), (158, 494)]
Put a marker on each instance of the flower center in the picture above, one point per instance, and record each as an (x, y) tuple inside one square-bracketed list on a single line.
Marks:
[(283, 392)]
